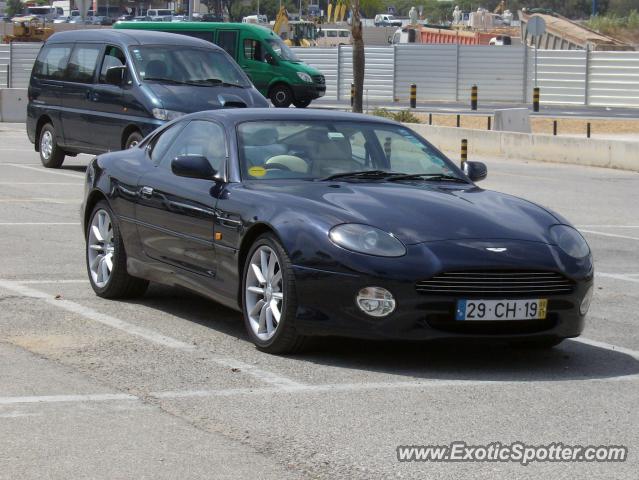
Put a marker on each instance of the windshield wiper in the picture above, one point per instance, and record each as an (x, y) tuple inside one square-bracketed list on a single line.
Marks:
[(166, 80), (360, 174), (428, 177), (215, 81)]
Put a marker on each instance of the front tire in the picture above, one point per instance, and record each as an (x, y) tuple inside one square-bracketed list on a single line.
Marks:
[(133, 140), (106, 257), (51, 155), (543, 343), (269, 301), (301, 103), (281, 96)]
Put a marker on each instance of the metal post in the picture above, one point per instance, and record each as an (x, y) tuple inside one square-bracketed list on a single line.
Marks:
[(554, 127), (464, 152), (588, 130), (430, 119), (10, 66), (458, 120), (457, 70), (536, 99), (525, 76), (352, 93), (535, 63), (586, 82), (473, 97), (413, 96), (339, 56), (395, 99), (489, 123)]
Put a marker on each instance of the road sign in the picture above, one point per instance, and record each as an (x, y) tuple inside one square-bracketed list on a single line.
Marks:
[(536, 26)]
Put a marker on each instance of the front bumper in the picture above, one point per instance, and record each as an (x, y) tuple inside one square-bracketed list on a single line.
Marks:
[(308, 91), (326, 300)]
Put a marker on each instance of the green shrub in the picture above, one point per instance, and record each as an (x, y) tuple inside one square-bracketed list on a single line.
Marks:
[(403, 116)]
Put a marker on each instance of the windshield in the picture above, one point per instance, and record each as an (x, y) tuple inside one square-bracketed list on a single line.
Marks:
[(40, 10), (282, 50), (317, 149), (185, 65)]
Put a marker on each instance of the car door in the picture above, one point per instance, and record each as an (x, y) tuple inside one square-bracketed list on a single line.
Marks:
[(79, 118), (254, 64), (227, 40), (175, 215)]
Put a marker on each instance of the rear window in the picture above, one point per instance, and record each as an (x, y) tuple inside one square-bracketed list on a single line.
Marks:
[(52, 62)]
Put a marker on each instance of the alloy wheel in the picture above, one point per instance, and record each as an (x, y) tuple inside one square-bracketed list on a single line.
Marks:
[(46, 144), (101, 248), (264, 296)]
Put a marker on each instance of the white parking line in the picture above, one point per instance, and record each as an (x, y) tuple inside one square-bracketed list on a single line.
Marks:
[(96, 397), (608, 226), (46, 170), (619, 276), (51, 282), (96, 316), (605, 234), (607, 346), (58, 201)]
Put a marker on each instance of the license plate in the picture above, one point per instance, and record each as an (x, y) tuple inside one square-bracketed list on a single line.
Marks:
[(501, 309)]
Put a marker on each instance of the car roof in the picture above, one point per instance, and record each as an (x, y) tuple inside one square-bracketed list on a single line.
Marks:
[(128, 37), (234, 116)]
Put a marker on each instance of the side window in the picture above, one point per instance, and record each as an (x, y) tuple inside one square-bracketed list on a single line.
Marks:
[(52, 62), (199, 137), (83, 62), (253, 50), (164, 141), (208, 36), (227, 39), (113, 57), (405, 153), (344, 33), (358, 147), (331, 33)]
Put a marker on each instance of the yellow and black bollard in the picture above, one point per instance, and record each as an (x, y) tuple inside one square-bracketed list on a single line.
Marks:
[(458, 120), (536, 99), (430, 119), (413, 96), (473, 97), (352, 93), (489, 123), (464, 152), (588, 130)]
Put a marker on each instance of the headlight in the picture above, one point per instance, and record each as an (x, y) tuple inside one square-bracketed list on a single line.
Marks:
[(305, 77), (570, 241), (366, 239), (162, 114)]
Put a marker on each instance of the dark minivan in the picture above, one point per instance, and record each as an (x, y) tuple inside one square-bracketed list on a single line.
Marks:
[(93, 91)]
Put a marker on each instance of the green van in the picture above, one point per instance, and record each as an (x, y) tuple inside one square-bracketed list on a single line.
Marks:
[(272, 66)]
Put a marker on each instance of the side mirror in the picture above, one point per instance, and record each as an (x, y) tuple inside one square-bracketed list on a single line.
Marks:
[(192, 166), (390, 39), (270, 59), (115, 75), (476, 171)]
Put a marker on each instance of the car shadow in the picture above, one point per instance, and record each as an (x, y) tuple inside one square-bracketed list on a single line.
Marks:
[(432, 360)]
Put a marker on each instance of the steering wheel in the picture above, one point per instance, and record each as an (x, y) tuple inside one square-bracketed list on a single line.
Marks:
[(276, 166)]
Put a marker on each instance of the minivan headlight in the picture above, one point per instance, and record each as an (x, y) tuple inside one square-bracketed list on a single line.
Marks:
[(361, 238), (570, 241), (162, 114), (305, 77)]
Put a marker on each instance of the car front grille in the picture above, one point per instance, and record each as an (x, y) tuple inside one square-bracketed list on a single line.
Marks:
[(492, 283), (319, 79)]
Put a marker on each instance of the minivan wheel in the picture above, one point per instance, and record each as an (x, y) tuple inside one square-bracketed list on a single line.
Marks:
[(106, 257), (133, 140), (51, 155), (269, 301), (301, 103), (281, 96)]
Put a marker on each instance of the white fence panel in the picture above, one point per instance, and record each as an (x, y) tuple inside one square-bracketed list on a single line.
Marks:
[(23, 57), (433, 68), (498, 73), (561, 75), (378, 75), (325, 60), (4, 66), (613, 79)]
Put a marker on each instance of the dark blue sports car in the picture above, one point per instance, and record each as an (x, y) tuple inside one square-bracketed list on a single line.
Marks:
[(325, 223)]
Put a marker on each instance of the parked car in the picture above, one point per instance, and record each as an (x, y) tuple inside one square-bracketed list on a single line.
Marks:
[(272, 66), (329, 223), (386, 20), (141, 18), (211, 17), (92, 91), (159, 14), (125, 18), (332, 37)]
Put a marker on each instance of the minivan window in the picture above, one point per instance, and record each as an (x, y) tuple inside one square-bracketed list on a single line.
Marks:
[(82, 63), (253, 50), (331, 33), (52, 62), (185, 65), (227, 39), (282, 50), (208, 36), (113, 57)]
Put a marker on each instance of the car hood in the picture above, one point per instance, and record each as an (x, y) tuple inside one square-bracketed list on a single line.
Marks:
[(418, 212), (188, 99)]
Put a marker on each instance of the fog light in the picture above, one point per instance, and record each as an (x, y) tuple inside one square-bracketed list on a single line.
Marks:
[(375, 301), (585, 303)]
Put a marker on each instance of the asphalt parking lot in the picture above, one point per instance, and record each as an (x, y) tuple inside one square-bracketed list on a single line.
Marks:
[(168, 386)]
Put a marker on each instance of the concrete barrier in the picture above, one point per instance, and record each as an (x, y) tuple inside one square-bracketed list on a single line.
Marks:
[(620, 154), (13, 104)]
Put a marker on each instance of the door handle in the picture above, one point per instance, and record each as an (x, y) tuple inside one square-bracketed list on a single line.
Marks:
[(146, 192)]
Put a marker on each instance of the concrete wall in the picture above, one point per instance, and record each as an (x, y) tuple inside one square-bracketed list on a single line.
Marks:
[(13, 104), (621, 154)]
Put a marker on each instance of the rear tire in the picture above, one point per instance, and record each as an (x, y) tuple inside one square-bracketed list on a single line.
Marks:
[(133, 140), (269, 293), (281, 96), (51, 155), (104, 247), (301, 103)]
